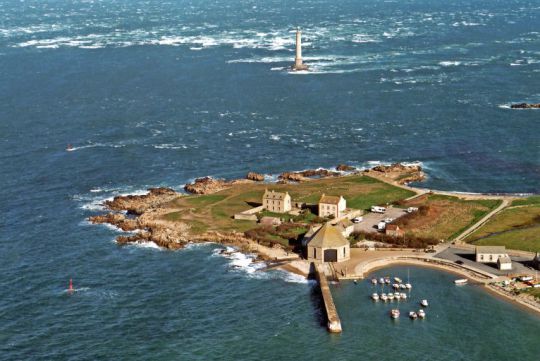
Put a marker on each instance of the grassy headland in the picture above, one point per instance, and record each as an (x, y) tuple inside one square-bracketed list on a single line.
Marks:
[(516, 227)]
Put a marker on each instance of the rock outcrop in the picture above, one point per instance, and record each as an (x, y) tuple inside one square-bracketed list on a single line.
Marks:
[(209, 185), (255, 177), (399, 172), (137, 204), (307, 175), (345, 168), (525, 106)]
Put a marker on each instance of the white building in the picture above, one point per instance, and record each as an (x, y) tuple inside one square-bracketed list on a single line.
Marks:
[(277, 201), (504, 263), (489, 254), (332, 206)]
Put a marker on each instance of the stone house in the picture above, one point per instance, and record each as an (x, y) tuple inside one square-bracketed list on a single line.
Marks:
[(394, 230), (328, 245), (332, 206), (277, 202)]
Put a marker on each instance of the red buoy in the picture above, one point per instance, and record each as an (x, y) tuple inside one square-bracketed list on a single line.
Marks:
[(70, 289)]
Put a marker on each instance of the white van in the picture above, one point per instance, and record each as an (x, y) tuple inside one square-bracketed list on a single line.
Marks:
[(377, 209)]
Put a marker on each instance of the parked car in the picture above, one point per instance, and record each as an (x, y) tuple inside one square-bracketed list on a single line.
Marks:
[(357, 219), (459, 261)]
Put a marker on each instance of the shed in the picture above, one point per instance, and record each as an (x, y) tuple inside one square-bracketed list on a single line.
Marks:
[(504, 263)]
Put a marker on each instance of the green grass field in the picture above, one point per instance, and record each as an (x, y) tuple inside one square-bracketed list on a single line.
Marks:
[(514, 227)]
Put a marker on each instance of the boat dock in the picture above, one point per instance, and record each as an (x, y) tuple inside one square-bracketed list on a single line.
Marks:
[(334, 323)]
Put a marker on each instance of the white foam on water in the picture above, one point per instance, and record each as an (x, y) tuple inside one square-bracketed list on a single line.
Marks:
[(449, 63), (170, 146), (504, 106)]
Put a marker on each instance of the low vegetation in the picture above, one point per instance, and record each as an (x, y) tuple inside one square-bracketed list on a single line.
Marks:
[(442, 217), (288, 235), (408, 241)]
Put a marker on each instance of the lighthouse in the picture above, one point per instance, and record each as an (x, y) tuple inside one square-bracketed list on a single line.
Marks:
[(298, 65)]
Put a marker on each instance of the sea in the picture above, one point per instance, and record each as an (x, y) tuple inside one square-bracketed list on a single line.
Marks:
[(156, 93)]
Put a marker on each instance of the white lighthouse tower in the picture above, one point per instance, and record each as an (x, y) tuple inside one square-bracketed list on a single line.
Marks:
[(298, 65)]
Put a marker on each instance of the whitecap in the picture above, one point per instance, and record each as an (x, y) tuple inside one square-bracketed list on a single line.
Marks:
[(449, 63)]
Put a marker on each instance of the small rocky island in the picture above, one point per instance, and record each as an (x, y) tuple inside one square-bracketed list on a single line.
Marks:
[(525, 106), (172, 220)]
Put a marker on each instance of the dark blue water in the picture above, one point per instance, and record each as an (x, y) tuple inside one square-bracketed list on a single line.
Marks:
[(156, 93)]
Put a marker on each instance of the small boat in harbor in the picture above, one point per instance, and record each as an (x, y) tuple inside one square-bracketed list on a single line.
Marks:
[(384, 297), (402, 286), (403, 296), (413, 315), (374, 281), (424, 303), (397, 295), (394, 313), (387, 280), (461, 281), (398, 280), (396, 286), (408, 286), (381, 281), (375, 297), (390, 296), (421, 313)]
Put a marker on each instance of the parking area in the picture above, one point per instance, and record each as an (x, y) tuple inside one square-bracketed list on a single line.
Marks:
[(369, 224)]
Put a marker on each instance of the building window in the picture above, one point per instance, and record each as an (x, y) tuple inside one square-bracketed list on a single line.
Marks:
[(314, 252)]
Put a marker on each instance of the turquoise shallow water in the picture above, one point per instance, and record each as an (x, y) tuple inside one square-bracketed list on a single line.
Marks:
[(156, 93)]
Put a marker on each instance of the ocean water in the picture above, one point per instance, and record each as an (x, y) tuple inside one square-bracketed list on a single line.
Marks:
[(156, 93)]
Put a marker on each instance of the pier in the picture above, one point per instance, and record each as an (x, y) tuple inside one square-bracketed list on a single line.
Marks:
[(334, 323)]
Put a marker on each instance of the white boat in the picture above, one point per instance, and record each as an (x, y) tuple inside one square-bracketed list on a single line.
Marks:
[(394, 313), (391, 296), (387, 280), (396, 286), (424, 303), (384, 297), (408, 286), (421, 313), (403, 296), (413, 315), (374, 281), (402, 286), (381, 281), (461, 281), (397, 295), (375, 297), (398, 280)]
